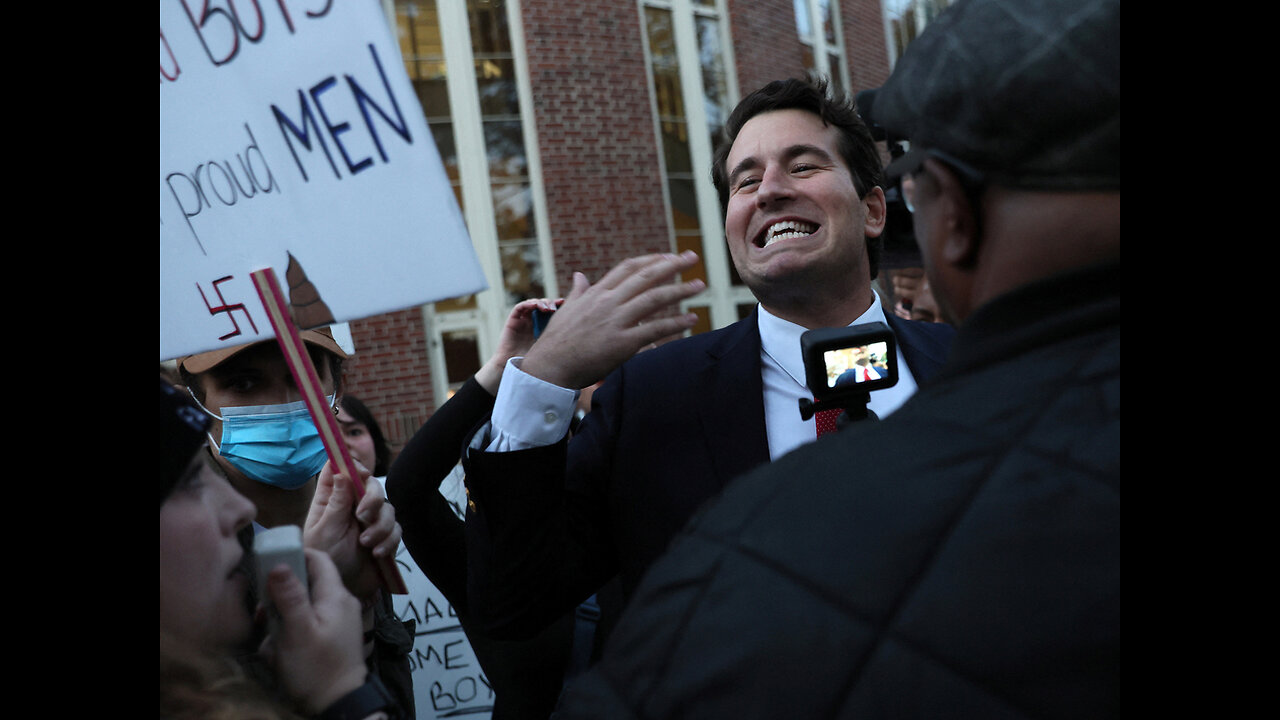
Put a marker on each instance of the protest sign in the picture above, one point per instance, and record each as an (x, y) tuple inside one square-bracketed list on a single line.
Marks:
[(447, 678), (292, 139)]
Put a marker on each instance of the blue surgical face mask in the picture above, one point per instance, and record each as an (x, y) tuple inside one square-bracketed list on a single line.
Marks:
[(276, 445)]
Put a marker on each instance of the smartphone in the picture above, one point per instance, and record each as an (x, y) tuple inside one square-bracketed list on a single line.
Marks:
[(270, 548), (540, 320)]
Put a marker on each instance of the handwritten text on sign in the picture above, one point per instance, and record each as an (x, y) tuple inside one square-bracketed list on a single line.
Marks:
[(447, 677), (292, 138)]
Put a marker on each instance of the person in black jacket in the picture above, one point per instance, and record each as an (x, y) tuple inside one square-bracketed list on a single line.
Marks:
[(961, 558), (526, 675)]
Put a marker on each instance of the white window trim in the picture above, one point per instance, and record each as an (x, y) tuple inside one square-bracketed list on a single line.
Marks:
[(721, 297), (529, 127), (473, 169), (822, 51), (891, 39)]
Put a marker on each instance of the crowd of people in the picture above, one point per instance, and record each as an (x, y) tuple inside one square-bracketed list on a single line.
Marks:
[(957, 555)]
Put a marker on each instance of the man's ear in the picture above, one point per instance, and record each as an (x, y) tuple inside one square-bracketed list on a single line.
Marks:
[(877, 211), (958, 219)]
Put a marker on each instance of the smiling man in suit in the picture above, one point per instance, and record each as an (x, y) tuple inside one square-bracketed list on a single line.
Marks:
[(962, 558), (554, 518)]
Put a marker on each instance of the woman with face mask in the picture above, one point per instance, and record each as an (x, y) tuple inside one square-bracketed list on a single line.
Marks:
[(263, 439), (207, 615)]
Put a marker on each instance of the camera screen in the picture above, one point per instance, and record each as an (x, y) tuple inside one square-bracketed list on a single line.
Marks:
[(856, 364)]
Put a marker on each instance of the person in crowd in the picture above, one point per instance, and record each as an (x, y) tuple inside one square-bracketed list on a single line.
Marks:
[(961, 558), (207, 610), (553, 519), (262, 438), (914, 296), (924, 308), (363, 435), (368, 446), (527, 675), (861, 369)]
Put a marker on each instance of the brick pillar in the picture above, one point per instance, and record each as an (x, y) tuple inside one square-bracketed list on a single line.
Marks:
[(595, 125), (391, 372), (866, 47), (766, 43)]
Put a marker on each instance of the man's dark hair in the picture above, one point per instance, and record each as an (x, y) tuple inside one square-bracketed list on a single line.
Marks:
[(813, 94)]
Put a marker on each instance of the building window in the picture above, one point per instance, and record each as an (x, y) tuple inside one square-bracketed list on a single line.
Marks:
[(418, 28), (818, 23), (906, 19), (687, 52), (504, 141), (484, 140)]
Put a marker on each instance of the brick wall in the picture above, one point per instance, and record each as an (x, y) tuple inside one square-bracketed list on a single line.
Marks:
[(866, 50), (765, 44), (391, 372), (600, 174), (599, 152), (596, 134)]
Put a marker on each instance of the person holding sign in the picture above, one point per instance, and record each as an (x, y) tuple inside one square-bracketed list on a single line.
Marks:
[(206, 607), (264, 441)]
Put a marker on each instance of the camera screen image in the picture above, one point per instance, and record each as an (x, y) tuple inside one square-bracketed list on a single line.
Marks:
[(846, 363), (856, 364)]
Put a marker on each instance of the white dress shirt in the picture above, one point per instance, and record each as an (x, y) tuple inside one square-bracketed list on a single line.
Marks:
[(530, 413), (782, 369)]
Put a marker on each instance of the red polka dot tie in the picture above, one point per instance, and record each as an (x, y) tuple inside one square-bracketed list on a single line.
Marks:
[(826, 420)]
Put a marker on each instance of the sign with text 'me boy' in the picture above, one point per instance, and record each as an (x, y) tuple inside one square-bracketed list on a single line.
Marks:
[(292, 139)]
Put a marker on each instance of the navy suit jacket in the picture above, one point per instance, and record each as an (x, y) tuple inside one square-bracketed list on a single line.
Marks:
[(668, 430)]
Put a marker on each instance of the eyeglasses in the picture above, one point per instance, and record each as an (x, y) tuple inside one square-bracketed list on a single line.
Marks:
[(906, 186), (972, 180)]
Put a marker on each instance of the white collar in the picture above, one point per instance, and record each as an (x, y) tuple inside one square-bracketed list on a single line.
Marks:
[(780, 339)]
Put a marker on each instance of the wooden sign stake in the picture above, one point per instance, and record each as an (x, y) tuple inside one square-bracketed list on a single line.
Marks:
[(304, 374)]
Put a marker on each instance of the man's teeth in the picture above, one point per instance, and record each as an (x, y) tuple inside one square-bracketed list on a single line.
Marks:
[(787, 230)]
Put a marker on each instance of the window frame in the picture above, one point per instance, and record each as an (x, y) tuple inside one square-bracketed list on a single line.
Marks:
[(489, 313), (722, 297)]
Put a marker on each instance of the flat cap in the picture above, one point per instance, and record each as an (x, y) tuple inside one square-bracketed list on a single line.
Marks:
[(1025, 91)]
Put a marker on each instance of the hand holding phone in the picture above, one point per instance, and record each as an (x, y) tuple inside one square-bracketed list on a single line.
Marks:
[(271, 547), (540, 320)]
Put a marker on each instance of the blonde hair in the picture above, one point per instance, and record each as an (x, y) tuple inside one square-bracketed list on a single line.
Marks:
[(197, 685)]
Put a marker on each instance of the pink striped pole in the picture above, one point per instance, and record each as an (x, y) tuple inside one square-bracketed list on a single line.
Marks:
[(304, 374)]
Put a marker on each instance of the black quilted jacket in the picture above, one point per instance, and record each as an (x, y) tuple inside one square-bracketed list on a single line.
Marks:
[(960, 559)]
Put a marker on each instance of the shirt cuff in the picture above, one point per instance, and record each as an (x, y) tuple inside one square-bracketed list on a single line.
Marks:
[(528, 412)]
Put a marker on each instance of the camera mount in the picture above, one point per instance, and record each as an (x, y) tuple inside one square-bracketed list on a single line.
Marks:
[(839, 368), (854, 406)]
